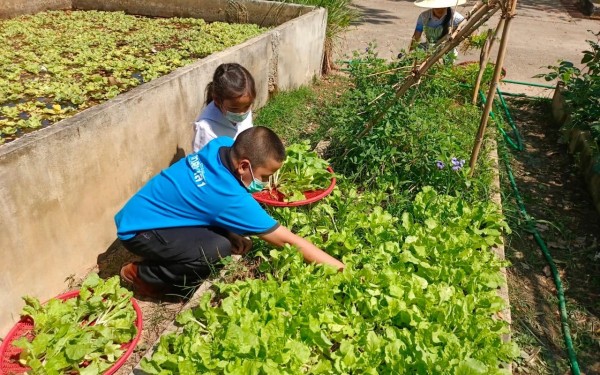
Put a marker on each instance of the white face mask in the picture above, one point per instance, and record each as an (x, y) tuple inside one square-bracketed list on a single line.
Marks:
[(236, 117)]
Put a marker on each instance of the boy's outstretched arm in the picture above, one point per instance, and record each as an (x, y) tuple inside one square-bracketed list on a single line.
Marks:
[(311, 253)]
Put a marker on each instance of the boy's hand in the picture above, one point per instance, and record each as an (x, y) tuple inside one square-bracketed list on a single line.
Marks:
[(239, 245), (310, 252)]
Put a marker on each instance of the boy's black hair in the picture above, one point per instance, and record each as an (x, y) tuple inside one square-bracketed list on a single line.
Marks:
[(259, 145), (230, 81), (446, 23)]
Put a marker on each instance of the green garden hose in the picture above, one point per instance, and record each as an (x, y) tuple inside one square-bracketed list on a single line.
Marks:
[(538, 238), (516, 144), (522, 95), (528, 84)]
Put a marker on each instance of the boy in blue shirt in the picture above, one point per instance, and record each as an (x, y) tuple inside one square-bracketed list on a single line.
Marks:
[(192, 214)]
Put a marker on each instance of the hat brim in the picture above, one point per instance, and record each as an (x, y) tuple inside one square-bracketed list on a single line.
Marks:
[(439, 3)]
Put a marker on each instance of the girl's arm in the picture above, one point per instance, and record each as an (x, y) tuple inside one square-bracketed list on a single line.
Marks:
[(415, 40)]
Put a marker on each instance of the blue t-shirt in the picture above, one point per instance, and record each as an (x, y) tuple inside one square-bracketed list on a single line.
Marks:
[(198, 190)]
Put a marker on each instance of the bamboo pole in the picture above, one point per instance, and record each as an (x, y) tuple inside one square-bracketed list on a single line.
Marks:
[(483, 12), (492, 90), (484, 57)]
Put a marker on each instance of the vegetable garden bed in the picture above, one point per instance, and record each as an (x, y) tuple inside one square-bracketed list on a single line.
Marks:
[(420, 290), (57, 63)]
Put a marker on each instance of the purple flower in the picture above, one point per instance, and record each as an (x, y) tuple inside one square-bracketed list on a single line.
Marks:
[(457, 164), (440, 164)]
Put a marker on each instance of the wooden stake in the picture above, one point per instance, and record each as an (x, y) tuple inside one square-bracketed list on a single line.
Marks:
[(484, 57), (492, 90)]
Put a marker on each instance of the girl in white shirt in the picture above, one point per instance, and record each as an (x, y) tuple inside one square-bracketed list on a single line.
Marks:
[(229, 99)]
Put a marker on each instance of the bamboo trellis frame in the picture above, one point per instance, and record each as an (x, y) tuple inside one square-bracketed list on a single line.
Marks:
[(508, 12), (481, 13)]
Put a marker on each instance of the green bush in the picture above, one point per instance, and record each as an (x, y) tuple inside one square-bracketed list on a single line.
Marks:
[(424, 137), (340, 15), (582, 89)]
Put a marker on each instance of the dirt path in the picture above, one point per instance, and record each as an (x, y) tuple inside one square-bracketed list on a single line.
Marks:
[(555, 195)]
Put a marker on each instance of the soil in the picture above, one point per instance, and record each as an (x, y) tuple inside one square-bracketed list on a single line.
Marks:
[(555, 196), (157, 315)]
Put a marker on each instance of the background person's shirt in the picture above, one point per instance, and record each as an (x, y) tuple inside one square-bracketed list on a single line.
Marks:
[(198, 190), (211, 124), (433, 26)]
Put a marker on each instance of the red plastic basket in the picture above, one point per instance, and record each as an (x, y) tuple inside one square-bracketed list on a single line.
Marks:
[(277, 199), (9, 354)]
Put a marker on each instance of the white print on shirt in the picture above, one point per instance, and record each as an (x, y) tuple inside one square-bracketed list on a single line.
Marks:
[(198, 169)]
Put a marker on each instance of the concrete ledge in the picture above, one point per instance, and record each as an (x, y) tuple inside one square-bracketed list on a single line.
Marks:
[(500, 249), (264, 13), (61, 186), (12, 8)]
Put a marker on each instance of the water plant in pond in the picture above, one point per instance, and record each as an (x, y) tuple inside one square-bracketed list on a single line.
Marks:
[(54, 64)]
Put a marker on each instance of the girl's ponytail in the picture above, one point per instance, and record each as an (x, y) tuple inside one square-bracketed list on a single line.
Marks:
[(446, 23), (208, 93), (230, 81)]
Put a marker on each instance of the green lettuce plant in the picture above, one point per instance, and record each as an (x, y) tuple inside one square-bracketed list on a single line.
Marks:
[(301, 171), (82, 334)]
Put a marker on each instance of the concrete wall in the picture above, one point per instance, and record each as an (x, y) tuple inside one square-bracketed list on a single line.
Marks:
[(61, 186), (12, 8), (264, 13)]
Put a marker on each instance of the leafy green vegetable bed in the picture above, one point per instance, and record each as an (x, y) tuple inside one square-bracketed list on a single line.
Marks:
[(419, 292), (418, 296), (54, 64)]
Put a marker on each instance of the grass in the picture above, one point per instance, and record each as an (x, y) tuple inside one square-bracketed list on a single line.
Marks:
[(294, 115), (286, 113)]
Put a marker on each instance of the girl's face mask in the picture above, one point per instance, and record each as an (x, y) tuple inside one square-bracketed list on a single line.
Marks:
[(236, 117), (256, 185)]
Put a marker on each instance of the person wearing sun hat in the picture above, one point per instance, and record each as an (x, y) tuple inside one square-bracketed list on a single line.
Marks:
[(436, 22)]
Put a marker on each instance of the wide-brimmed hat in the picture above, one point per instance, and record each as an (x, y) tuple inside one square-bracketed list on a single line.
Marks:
[(438, 3)]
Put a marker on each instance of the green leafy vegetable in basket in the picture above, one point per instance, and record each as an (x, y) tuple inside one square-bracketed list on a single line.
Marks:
[(301, 171), (79, 335)]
